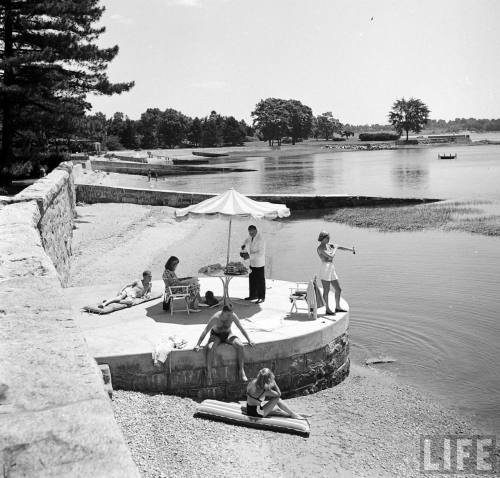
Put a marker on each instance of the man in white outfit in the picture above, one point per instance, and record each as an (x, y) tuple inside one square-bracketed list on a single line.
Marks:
[(255, 246)]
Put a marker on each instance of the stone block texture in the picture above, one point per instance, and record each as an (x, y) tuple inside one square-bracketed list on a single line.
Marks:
[(55, 417), (298, 374)]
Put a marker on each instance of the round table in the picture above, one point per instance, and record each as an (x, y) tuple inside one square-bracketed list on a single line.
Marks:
[(225, 279)]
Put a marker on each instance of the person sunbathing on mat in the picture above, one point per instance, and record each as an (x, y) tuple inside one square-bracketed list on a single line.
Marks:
[(136, 290), (219, 327), (264, 395)]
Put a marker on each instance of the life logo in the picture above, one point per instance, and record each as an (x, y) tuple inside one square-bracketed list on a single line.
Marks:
[(459, 454)]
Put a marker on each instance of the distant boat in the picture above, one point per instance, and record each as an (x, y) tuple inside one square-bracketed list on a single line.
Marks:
[(447, 156), (209, 155)]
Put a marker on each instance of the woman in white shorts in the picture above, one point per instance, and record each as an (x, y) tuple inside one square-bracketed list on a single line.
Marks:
[(327, 274)]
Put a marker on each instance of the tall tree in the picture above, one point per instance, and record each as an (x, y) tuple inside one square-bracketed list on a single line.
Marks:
[(271, 118), (148, 127), (96, 127), (299, 120), (409, 115), (173, 128), (234, 133), (128, 136), (328, 125), (212, 130), (49, 63), (195, 132)]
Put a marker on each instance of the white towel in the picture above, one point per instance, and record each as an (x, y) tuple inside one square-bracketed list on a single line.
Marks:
[(164, 347), (161, 351)]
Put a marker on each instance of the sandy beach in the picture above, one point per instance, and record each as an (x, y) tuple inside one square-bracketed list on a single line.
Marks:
[(367, 426)]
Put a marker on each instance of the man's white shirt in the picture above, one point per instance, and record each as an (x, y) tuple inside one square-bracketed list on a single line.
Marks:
[(257, 250)]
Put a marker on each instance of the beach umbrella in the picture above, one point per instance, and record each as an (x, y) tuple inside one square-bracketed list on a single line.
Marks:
[(233, 204)]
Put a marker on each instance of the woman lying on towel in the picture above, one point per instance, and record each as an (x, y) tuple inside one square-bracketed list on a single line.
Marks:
[(264, 389), (171, 279), (136, 290)]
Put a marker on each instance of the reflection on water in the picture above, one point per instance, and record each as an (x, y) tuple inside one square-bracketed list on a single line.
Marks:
[(409, 178), (394, 173)]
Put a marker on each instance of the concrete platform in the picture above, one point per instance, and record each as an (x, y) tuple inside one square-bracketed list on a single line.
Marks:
[(289, 343)]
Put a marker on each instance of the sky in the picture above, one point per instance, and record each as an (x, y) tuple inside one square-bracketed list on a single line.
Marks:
[(351, 57)]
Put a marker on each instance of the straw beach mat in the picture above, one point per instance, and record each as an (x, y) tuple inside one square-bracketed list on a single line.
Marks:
[(95, 309), (236, 414)]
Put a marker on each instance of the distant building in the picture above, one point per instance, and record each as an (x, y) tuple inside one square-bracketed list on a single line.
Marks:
[(448, 138)]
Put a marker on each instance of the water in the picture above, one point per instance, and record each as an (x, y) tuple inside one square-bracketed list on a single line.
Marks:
[(429, 299), (393, 173)]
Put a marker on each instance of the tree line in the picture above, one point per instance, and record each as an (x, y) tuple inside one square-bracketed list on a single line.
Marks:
[(50, 62), (165, 129)]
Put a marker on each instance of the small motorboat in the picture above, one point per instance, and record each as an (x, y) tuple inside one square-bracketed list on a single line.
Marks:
[(447, 156)]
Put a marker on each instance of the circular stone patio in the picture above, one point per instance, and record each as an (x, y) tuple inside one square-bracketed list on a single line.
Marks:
[(306, 355)]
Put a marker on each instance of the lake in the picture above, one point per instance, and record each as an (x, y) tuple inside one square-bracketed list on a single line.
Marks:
[(430, 299), (393, 173)]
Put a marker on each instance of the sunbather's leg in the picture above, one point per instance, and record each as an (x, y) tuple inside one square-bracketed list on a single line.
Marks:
[(118, 298), (338, 290), (281, 404), (236, 343), (213, 343), (326, 292), (269, 406)]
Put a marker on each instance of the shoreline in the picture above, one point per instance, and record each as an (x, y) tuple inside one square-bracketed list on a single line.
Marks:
[(261, 148), (383, 214), (369, 424)]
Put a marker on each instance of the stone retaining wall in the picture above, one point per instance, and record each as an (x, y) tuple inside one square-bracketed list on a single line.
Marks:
[(303, 363), (55, 418), (93, 193), (296, 374), (54, 196)]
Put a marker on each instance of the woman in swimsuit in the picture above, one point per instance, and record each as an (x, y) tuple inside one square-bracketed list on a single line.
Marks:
[(327, 274), (265, 389)]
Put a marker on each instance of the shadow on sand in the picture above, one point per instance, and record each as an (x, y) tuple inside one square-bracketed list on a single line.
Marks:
[(244, 310)]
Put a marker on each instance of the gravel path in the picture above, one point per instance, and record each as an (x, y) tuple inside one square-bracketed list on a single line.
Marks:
[(367, 426)]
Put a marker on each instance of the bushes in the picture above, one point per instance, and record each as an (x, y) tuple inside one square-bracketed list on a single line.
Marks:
[(31, 167), (378, 136), (113, 144), (404, 141)]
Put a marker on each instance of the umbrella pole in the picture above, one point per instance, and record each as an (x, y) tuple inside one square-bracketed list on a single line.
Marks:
[(228, 242)]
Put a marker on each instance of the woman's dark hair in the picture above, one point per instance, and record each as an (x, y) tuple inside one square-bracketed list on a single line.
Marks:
[(171, 261)]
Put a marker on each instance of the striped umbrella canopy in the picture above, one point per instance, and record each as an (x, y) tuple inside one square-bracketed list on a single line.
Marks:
[(234, 204)]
